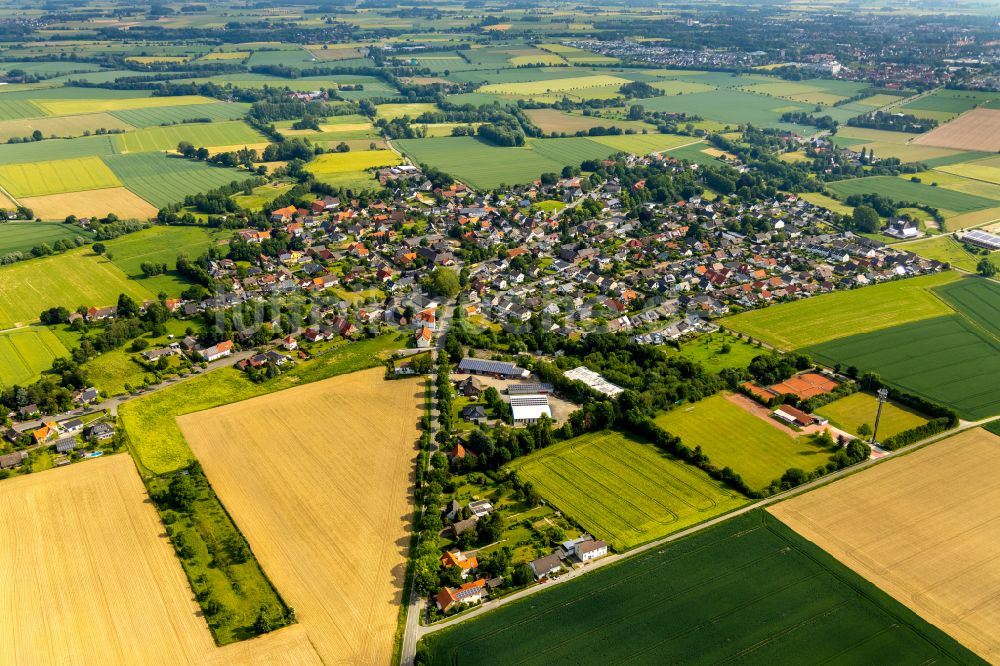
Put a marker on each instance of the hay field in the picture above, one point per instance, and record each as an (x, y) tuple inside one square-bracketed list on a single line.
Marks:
[(978, 129), (88, 579), (924, 528), (318, 479), (56, 177), (117, 200)]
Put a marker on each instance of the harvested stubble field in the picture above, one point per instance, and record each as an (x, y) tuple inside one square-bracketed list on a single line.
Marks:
[(827, 317), (624, 490), (746, 591), (924, 528), (89, 579), (96, 203), (318, 478), (978, 129)]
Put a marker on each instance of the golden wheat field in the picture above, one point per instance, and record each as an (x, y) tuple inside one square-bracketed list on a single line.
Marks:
[(925, 528), (318, 479)]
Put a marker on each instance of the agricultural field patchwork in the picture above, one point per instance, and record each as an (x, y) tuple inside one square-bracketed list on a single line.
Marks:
[(71, 279), (922, 527), (56, 177), (748, 590), (26, 353), (623, 490), (975, 130), (757, 450), (304, 532), (829, 316)]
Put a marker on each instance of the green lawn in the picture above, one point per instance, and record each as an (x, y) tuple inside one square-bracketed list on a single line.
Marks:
[(822, 318), (77, 277), (749, 590), (708, 350), (624, 490), (732, 437), (850, 412), (157, 442), (26, 353)]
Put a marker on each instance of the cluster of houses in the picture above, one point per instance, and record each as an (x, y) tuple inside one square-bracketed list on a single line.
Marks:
[(63, 436)]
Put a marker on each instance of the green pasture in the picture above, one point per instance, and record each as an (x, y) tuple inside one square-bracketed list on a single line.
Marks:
[(623, 490), (161, 244), (710, 350)]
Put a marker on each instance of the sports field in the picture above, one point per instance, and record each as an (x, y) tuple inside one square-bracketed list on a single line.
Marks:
[(350, 501), (161, 179), (923, 527), (976, 130), (152, 139), (749, 591), (848, 413), (822, 318), (71, 279), (22, 236), (624, 490), (25, 353), (958, 361), (904, 190), (96, 203), (42, 178), (731, 436)]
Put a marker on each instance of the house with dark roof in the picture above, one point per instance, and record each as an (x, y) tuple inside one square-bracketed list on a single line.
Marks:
[(474, 413), (468, 593), (546, 566)]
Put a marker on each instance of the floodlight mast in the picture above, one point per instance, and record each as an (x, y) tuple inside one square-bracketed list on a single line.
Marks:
[(883, 395)]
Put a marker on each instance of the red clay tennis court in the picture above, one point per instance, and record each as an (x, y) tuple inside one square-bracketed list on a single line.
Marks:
[(805, 386)]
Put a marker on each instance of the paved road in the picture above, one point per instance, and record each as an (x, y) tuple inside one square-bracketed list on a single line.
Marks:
[(421, 631)]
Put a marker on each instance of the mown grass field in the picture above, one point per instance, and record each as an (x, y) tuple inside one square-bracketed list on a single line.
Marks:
[(261, 195), (157, 442), (904, 190), (56, 177), (732, 437), (624, 490), (26, 353), (160, 179), (748, 590), (152, 139), (822, 318), (22, 236), (922, 528), (850, 412), (71, 279)]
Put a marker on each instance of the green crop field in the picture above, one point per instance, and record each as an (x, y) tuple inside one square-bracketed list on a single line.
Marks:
[(356, 160), (161, 245), (198, 134), (947, 359), (728, 106), (730, 436), (74, 278), (11, 109), (157, 442), (63, 126), (544, 86), (56, 177), (153, 116), (67, 107), (161, 179), (22, 236), (58, 149), (986, 171), (850, 412), (708, 350), (977, 299), (747, 591), (904, 190), (644, 143), (624, 490), (822, 318), (27, 352)]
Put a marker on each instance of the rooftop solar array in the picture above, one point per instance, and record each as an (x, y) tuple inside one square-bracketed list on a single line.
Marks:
[(491, 367), (983, 237)]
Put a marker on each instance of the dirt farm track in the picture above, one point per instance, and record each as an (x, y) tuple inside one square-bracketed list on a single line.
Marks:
[(318, 478), (925, 528)]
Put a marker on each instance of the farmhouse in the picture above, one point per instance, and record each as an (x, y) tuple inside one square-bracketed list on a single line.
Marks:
[(476, 366), (528, 409), (215, 352), (465, 594), (902, 229), (586, 551), (545, 566), (456, 558), (470, 387), (593, 380)]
